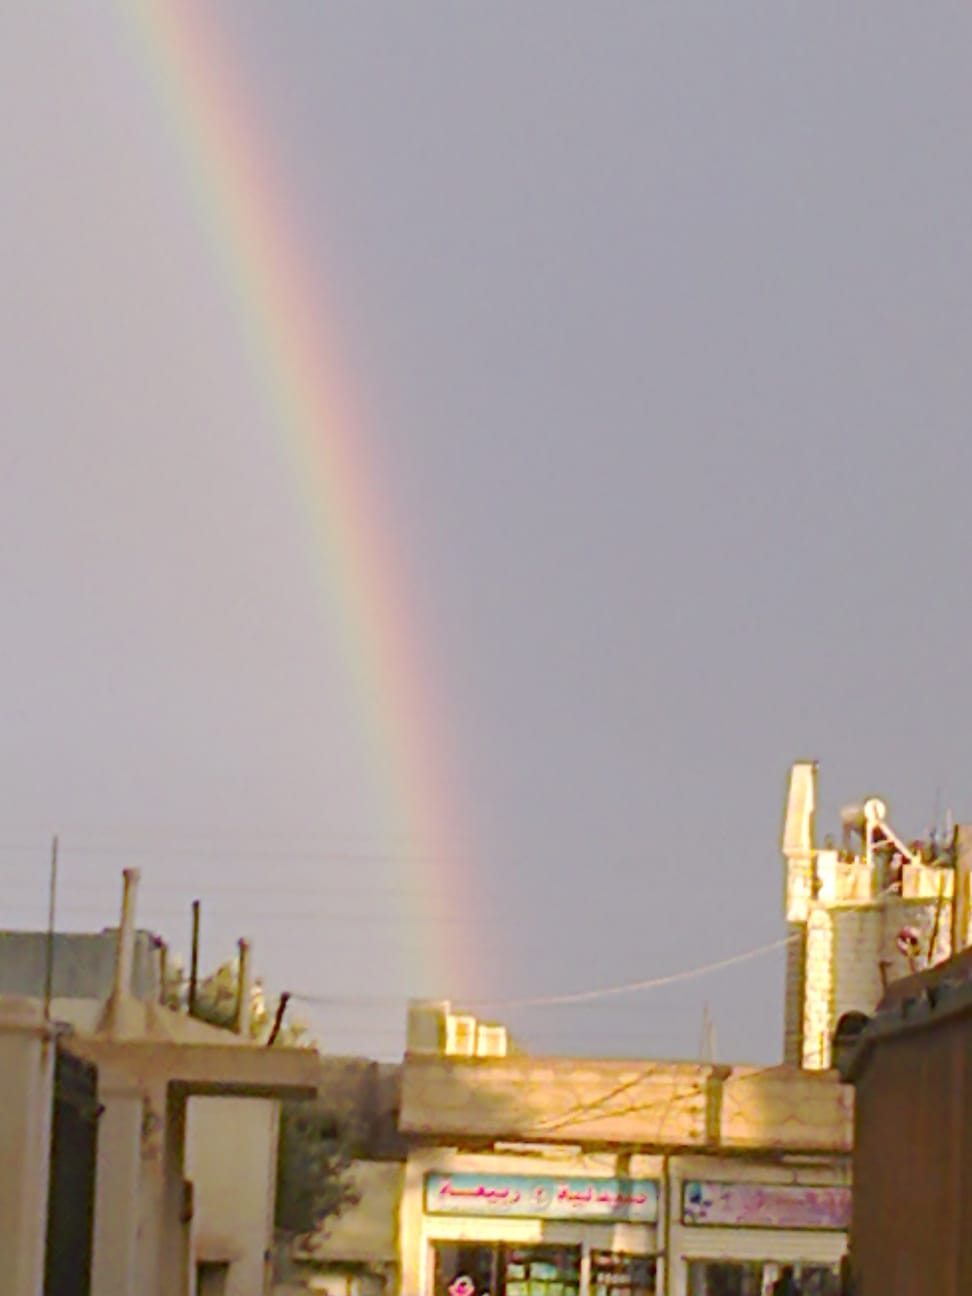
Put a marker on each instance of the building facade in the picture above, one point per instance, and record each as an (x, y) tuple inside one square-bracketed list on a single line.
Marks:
[(27, 1057), (573, 1223), (862, 911), (589, 1177), (142, 1236)]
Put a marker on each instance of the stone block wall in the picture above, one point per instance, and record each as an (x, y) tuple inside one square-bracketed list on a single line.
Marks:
[(794, 993), (844, 921), (850, 954)]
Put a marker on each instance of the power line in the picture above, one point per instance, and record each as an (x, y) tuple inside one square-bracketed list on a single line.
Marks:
[(633, 987), (322, 916), (183, 885), (653, 983), (589, 996), (202, 849), (376, 920)]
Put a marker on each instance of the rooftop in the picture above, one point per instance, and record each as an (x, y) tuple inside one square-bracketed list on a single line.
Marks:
[(658, 1105), (82, 963)]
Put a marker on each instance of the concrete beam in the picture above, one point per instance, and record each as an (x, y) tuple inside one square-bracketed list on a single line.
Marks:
[(239, 1070)]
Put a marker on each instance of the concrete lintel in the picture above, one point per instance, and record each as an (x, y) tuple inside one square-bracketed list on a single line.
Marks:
[(208, 1069), (113, 1082), (215, 1248)]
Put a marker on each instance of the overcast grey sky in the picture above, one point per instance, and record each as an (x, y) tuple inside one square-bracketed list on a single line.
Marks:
[(658, 317)]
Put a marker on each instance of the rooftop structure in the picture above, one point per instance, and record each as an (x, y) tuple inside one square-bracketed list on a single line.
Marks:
[(152, 1063), (862, 911)]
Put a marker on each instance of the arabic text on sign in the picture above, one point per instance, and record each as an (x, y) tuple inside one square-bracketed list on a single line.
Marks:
[(542, 1196)]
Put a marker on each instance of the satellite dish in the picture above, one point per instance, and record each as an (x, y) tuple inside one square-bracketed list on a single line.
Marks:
[(875, 811)]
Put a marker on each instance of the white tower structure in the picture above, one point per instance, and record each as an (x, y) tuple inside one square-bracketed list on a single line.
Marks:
[(861, 913)]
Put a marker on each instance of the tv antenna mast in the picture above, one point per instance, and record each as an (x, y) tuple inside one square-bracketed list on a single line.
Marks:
[(707, 1043)]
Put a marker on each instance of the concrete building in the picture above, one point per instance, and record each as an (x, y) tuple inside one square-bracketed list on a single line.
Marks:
[(912, 1213), (584, 1177), (155, 1155), (145, 1218), (861, 912), (27, 1086)]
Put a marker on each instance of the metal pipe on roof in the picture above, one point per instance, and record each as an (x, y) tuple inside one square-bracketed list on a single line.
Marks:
[(194, 961), (242, 1022), (278, 1019), (125, 957)]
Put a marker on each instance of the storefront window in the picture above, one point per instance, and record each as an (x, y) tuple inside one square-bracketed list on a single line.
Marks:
[(502, 1270), (614, 1274), (542, 1271), (465, 1270), (761, 1278)]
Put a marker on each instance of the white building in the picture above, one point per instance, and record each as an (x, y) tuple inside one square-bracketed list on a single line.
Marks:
[(862, 912), (187, 1133)]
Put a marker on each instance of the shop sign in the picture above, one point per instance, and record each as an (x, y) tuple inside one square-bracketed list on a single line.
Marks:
[(753, 1205), (542, 1197)]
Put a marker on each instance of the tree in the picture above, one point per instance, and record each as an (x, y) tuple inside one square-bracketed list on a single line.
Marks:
[(216, 996), (318, 1141), (316, 1149)]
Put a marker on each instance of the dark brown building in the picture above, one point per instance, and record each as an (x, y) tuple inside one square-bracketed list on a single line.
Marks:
[(911, 1066)]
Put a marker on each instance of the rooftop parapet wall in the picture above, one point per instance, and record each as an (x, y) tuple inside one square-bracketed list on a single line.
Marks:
[(654, 1106), (82, 964), (785, 1109), (835, 879), (843, 881)]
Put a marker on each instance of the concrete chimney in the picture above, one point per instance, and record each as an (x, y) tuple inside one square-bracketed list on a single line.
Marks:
[(116, 1019), (125, 958)]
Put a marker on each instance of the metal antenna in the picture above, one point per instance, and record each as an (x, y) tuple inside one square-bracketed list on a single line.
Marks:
[(51, 912), (707, 1044)]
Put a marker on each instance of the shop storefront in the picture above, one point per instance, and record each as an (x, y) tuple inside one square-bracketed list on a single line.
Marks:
[(759, 1235), (742, 1187), (510, 1269), (481, 1225), (506, 1226)]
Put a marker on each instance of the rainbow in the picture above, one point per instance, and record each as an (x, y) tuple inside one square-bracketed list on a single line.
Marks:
[(357, 546)]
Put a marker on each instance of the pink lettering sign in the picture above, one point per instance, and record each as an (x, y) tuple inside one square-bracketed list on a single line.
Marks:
[(782, 1206)]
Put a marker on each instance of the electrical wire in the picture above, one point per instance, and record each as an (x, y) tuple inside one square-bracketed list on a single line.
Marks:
[(572, 998), (589, 996), (654, 983), (633, 987)]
